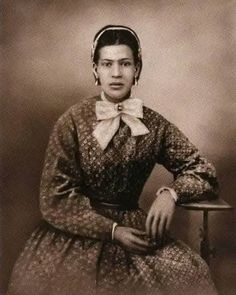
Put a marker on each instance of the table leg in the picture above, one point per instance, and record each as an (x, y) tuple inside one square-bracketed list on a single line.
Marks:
[(204, 246)]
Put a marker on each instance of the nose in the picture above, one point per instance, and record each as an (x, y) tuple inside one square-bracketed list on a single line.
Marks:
[(116, 70)]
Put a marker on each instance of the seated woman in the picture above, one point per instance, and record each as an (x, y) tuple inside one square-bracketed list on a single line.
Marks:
[(94, 238)]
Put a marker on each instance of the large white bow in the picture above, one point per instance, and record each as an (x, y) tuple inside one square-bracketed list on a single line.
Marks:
[(109, 115)]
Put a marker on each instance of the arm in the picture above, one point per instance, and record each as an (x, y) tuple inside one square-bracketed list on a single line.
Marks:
[(194, 177), (62, 202)]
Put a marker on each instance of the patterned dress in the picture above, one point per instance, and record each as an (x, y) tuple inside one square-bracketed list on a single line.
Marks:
[(71, 251)]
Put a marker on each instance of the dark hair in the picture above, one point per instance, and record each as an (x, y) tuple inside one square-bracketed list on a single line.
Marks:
[(120, 35)]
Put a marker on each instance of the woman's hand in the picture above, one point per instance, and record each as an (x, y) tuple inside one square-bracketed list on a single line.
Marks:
[(132, 240), (160, 216)]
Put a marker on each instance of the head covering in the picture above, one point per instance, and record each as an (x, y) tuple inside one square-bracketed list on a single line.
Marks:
[(114, 28)]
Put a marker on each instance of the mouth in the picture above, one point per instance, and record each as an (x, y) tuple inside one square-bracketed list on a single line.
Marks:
[(116, 85)]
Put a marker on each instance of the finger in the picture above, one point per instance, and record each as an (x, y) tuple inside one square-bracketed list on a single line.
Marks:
[(133, 246), (137, 251), (138, 232), (140, 242), (140, 249), (155, 227), (162, 227), (142, 252), (148, 223), (168, 222)]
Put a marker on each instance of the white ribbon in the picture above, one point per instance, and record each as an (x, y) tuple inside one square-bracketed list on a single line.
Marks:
[(109, 114)]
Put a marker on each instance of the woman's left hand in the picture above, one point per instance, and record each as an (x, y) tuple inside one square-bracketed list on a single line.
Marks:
[(160, 216)]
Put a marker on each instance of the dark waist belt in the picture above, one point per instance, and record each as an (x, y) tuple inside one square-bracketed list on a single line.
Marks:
[(103, 205)]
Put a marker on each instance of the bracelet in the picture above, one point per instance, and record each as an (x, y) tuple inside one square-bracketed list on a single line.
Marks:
[(170, 190), (114, 225)]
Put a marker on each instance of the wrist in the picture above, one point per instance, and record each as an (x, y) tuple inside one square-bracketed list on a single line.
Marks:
[(167, 191), (165, 197)]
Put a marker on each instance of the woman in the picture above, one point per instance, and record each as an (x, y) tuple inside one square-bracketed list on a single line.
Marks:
[(94, 238)]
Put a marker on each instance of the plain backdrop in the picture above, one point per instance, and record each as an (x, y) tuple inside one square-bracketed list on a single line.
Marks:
[(189, 76)]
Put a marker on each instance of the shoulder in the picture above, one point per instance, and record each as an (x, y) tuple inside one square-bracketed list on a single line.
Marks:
[(84, 106), (76, 114), (83, 109), (154, 119), (158, 124)]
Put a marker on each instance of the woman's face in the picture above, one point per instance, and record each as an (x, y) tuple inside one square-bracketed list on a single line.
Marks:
[(116, 71)]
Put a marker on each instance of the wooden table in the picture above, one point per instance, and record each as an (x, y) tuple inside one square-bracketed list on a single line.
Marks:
[(205, 206)]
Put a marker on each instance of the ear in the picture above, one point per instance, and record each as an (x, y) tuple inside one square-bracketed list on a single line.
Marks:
[(95, 72), (137, 69)]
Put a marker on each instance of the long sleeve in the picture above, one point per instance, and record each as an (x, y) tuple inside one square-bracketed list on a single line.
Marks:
[(194, 176), (62, 201)]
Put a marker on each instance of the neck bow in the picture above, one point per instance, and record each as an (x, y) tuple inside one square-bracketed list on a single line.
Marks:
[(109, 114)]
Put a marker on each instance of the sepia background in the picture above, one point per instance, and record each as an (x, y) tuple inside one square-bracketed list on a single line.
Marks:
[(189, 76)]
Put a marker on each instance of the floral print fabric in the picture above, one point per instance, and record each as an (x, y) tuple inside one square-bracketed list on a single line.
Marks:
[(71, 252)]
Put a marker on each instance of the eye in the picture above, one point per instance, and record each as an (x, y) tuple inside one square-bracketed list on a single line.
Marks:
[(106, 64), (126, 63)]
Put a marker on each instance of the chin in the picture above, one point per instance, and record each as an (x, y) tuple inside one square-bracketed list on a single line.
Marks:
[(117, 97)]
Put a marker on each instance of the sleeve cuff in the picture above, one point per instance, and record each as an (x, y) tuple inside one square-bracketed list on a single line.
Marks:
[(170, 190)]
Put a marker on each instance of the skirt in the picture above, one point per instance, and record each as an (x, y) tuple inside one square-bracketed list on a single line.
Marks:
[(54, 262)]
